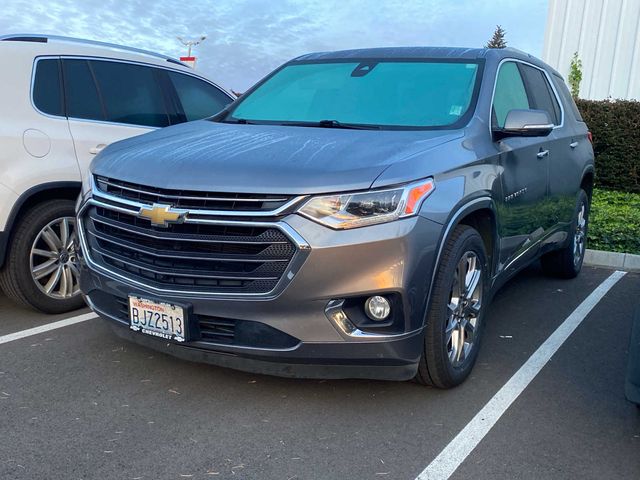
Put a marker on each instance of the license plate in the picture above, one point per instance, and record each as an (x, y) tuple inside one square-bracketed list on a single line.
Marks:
[(159, 319)]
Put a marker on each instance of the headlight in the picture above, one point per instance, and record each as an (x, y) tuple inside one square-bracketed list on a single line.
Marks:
[(351, 210)]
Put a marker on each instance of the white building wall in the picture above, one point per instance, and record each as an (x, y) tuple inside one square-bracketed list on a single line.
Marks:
[(606, 35)]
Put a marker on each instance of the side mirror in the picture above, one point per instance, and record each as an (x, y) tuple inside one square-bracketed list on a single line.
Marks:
[(525, 123)]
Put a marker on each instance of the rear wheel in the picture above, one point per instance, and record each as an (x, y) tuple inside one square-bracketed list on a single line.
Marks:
[(567, 262), (454, 322), (41, 269)]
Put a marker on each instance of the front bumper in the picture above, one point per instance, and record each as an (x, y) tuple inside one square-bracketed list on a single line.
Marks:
[(389, 360), (290, 333)]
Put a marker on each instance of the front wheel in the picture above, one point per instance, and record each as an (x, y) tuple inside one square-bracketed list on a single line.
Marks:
[(41, 269), (454, 321)]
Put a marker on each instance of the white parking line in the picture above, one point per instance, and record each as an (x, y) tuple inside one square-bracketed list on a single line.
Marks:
[(449, 459), (46, 328)]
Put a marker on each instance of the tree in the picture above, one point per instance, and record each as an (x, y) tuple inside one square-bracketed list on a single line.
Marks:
[(497, 41), (575, 75)]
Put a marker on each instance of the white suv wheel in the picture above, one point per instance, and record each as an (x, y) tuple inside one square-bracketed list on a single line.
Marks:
[(53, 260)]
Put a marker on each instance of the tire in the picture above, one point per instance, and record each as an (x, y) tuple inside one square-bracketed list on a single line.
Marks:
[(567, 262), (455, 315), (33, 246)]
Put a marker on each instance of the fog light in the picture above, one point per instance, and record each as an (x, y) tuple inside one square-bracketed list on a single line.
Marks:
[(377, 308)]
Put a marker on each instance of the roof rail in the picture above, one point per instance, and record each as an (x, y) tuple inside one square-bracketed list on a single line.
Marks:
[(24, 39), (45, 38)]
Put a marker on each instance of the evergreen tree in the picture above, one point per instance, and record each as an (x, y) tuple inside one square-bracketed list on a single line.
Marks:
[(497, 41)]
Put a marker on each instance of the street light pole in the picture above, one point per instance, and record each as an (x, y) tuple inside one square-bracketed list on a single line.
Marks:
[(191, 43)]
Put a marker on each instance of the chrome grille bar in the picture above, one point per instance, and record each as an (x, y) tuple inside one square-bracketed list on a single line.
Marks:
[(102, 181), (167, 254), (287, 204), (174, 237), (179, 273)]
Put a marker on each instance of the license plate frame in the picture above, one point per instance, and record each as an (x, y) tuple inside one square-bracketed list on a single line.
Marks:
[(159, 318)]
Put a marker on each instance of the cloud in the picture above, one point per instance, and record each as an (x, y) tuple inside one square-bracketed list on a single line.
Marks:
[(248, 38)]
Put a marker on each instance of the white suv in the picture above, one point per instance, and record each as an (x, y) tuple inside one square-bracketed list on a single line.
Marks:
[(62, 101)]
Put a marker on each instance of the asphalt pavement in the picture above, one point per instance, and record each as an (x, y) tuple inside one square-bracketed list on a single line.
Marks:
[(80, 403)]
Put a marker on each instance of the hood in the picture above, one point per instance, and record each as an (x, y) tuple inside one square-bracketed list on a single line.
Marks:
[(211, 156)]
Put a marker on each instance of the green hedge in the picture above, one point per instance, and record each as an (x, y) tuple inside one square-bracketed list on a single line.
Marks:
[(614, 224), (615, 126)]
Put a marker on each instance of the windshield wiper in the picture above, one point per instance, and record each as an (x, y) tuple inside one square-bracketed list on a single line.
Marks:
[(242, 121), (334, 124), (337, 124), (320, 124)]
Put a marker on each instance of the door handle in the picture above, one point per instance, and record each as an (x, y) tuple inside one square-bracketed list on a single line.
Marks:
[(543, 153), (573, 144), (97, 149)]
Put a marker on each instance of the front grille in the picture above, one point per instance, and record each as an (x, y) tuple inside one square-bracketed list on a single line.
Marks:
[(196, 200), (233, 259)]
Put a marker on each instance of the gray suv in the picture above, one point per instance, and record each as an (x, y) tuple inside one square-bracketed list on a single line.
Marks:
[(349, 216)]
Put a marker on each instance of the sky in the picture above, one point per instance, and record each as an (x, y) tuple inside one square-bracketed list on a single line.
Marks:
[(246, 39)]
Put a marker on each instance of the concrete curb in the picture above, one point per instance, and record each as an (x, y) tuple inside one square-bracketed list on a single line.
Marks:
[(622, 261)]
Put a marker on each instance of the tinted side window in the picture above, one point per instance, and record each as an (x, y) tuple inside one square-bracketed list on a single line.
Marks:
[(47, 90), (563, 90), (80, 91), (131, 93), (199, 99), (541, 96), (510, 93)]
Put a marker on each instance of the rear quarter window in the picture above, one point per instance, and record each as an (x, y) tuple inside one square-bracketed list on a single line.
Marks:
[(563, 90), (47, 88)]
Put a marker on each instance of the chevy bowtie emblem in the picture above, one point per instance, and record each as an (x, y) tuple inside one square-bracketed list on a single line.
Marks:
[(162, 215)]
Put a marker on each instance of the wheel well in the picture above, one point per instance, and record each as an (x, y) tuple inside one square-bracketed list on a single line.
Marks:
[(33, 197), (67, 193), (587, 184), (484, 221)]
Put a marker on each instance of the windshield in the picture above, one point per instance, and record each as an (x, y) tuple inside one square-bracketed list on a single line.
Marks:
[(381, 93)]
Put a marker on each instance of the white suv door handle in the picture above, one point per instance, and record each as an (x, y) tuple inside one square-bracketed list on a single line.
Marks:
[(573, 144), (543, 153), (97, 149)]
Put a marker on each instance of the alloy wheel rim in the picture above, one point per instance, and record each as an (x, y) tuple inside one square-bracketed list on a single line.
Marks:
[(463, 310), (579, 236), (53, 259)]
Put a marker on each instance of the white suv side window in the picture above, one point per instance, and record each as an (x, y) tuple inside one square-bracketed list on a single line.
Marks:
[(125, 93), (199, 99), (47, 87), (131, 93), (115, 92), (81, 93)]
